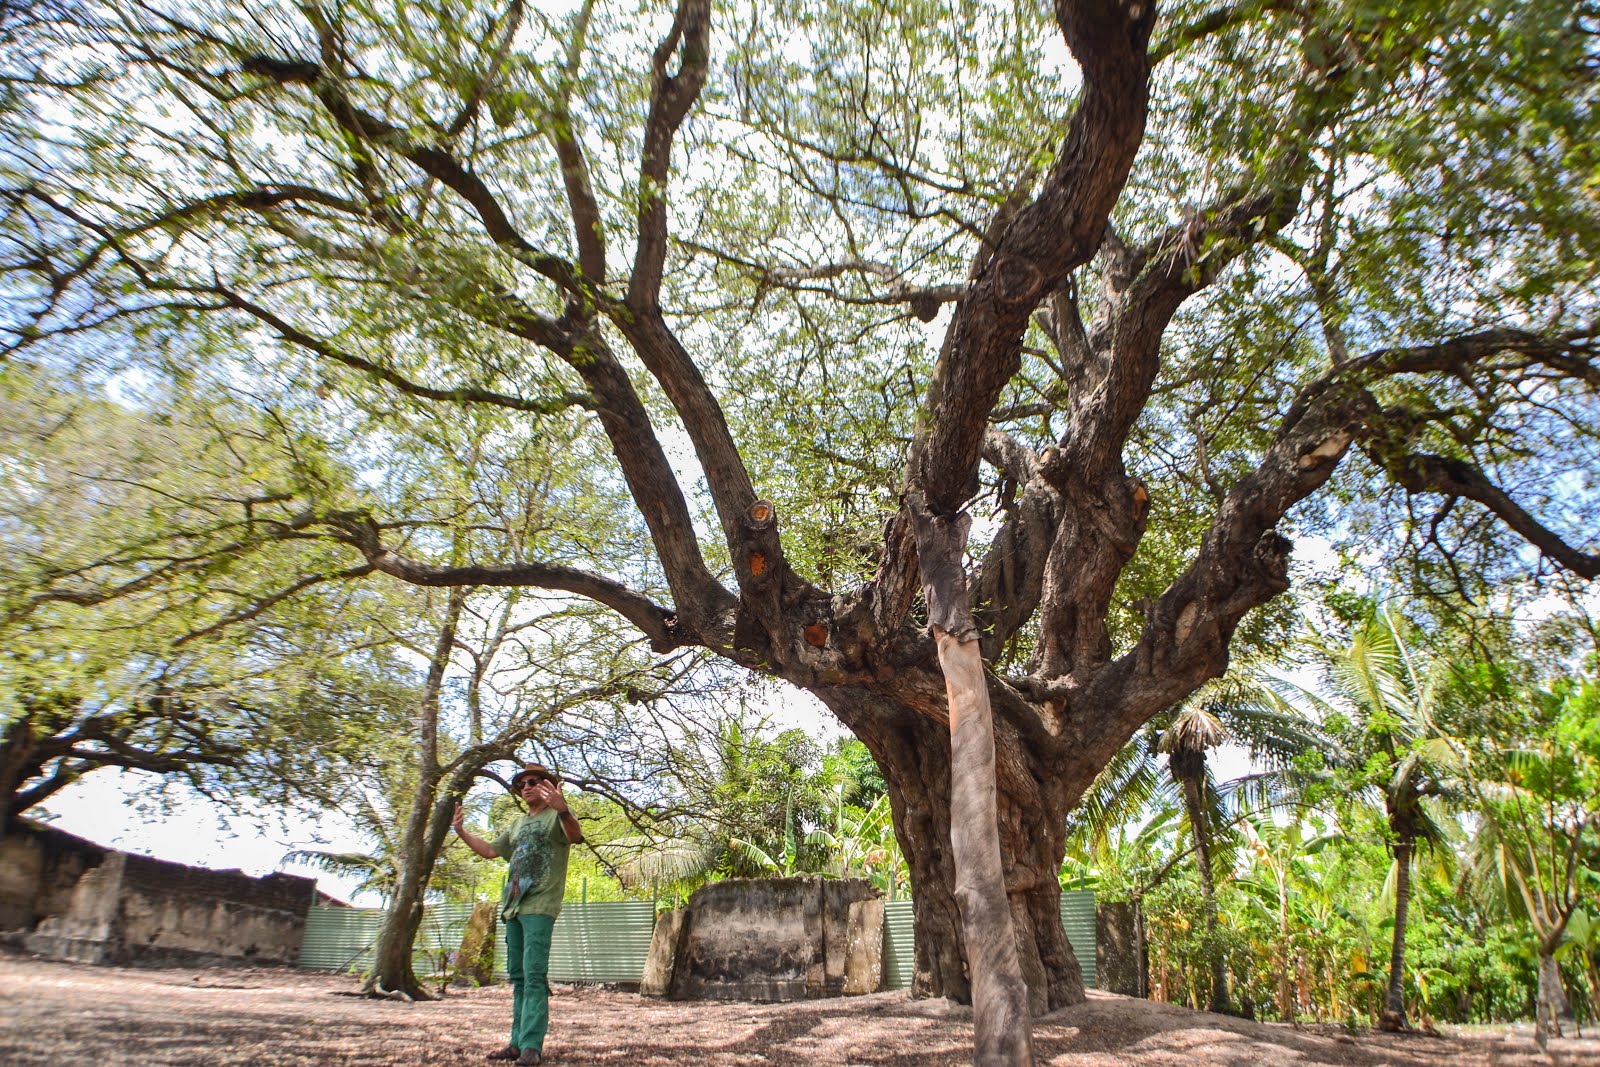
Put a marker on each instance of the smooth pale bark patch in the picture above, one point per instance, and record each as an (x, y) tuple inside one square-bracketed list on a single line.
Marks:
[(999, 995), (1001, 1016)]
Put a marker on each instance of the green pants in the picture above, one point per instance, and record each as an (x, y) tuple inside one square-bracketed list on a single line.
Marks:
[(528, 967)]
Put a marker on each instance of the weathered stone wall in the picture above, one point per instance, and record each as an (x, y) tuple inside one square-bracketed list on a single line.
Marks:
[(69, 899), (39, 869), (1118, 964), (769, 940)]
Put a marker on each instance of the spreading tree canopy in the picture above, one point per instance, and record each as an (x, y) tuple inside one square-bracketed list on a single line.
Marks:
[(933, 357), (133, 635)]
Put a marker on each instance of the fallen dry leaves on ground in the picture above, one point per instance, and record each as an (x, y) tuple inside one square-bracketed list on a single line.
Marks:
[(59, 1013)]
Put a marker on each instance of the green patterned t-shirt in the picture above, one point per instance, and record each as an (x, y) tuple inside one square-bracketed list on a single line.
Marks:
[(536, 850)]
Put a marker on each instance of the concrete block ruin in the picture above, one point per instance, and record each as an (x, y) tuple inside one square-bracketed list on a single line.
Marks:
[(66, 898), (776, 939), (1118, 951)]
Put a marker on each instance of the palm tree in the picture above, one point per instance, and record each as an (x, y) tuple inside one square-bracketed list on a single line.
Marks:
[(1195, 731), (1239, 709), (1387, 695)]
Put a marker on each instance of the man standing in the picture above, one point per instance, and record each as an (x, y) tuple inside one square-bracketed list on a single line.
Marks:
[(536, 848)]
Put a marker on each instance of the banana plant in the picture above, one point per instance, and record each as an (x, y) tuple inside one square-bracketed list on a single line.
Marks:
[(1277, 853), (862, 844), (1583, 942)]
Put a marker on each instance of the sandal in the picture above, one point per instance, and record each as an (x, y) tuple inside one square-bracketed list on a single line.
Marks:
[(510, 1052)]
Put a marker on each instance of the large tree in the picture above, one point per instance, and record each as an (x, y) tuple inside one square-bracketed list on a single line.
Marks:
[(133, 636), (1183, 271)]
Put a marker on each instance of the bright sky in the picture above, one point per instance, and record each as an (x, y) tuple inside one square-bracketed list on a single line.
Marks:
[(106, 807), (109, 808)]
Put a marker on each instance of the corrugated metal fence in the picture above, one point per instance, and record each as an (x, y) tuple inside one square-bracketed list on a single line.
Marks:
[(609, 941), (601, 942), (1077, 918), (341, 939), (591, 943), (899, 946)]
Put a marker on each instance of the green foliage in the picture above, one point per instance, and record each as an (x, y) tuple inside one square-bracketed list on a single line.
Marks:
[(764, 804), (183, 208), (1313, 899), (145, 612)]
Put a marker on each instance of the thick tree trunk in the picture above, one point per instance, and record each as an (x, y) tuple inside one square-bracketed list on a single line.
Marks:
[(392, 970), (18, 763), (1394, 1004), (427, 831), (913, 752), (27, 744)]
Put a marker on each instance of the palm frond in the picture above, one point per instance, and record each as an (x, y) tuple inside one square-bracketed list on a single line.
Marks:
[(341, 863), (643, 861), (1122, 789)]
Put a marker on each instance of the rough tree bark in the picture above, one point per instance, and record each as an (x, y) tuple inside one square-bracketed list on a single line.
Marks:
[(913, 749), (1073, 516), (475, 959)]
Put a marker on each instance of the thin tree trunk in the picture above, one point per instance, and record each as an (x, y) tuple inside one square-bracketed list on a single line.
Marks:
[(1002, 1020), (1552, 1004), (1394, 1004), (1193, 779), (1002, 1029), (1285, 984), (1140, 950), (1593, 974), (392, 970)]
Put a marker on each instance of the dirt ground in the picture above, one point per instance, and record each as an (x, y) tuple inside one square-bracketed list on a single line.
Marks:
[(57, 1013)]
